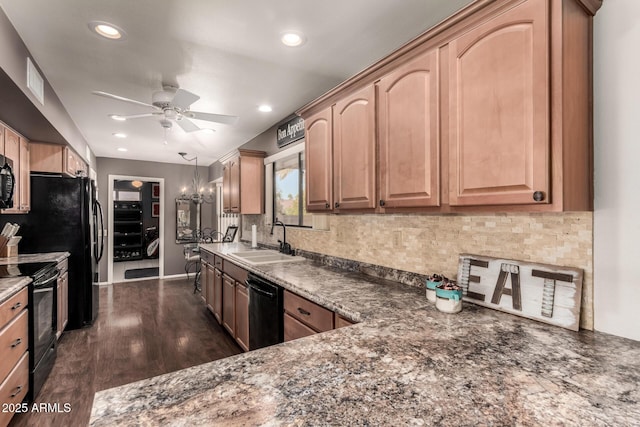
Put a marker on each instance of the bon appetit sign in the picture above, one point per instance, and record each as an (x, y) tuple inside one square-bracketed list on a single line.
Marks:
[(290, 131)]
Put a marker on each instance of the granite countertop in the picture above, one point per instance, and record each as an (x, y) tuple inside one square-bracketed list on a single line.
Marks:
[(405, 363), (12, 285)]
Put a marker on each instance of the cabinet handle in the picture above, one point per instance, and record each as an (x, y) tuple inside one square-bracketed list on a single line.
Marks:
[(381, 202), (16, 305), (538, 196), (16, 343), (327, 205), (17, 392), (337, 205), (303, 311)]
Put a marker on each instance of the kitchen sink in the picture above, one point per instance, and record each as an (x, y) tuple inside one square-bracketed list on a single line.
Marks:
[(264, 256)]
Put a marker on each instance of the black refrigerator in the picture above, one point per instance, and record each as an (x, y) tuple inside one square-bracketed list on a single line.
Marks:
[(66, 216)]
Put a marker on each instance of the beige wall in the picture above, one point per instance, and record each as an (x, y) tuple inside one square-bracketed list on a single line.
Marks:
[(431, 243)]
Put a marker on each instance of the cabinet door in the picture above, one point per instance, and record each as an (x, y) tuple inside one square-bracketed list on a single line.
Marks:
[(62, 296), (408, 115), (234, 188), (12, 151), (217, 295), (209, 285), (25, 179), (203, 282), (318, 162), (228, 304), (226, 187), (499, 109), (242, 316), (354, 157)]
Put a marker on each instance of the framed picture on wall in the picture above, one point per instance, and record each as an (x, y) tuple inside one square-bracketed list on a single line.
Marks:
[(155, 209), (155, 190)]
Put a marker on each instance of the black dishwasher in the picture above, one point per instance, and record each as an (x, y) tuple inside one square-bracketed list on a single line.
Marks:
[(266, 322)]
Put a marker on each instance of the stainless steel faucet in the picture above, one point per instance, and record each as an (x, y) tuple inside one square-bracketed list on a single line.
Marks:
[(284, 247)]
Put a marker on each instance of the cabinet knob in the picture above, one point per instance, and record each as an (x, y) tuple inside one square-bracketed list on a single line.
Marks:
[(327, 205), (337, 205), (538, 196), (381, 202)]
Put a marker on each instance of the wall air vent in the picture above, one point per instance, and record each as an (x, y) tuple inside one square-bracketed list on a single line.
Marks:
[(35, 82)]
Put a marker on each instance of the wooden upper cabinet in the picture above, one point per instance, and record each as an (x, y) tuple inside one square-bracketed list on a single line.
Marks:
[(318, 162), (499, 151), (243, 183), (54, 158), (409, 145), (354, 151)]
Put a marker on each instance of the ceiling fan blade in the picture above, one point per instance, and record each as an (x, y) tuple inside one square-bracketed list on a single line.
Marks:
[(187, 125), (218, 118), (183, 98), (120, 98), (138, 116)]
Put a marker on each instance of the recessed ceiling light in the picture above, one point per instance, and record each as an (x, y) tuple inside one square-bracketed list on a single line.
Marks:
[(117, 117), (292, 39), (120, 135), (265, 108), (122, 149), (106, 30)]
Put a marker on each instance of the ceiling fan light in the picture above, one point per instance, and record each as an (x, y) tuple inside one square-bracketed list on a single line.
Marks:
[(117, 117), (106, 30)]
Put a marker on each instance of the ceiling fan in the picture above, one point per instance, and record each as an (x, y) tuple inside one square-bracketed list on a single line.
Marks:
[(171, 104)]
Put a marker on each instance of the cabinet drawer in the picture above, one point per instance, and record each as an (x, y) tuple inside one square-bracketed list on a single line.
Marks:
[(14, 389), (310, 313), (14, 339), (238, 273), (63, 266), (206, 257), (218, 262), (13, 306), (294, 329)]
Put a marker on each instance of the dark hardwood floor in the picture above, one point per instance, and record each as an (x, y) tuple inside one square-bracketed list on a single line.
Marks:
[(144, 328)]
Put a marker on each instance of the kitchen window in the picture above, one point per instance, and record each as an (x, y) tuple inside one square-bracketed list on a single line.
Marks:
[(288, 191)]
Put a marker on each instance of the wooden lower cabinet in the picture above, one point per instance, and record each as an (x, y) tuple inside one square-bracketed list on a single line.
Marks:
[(242, 316), (217, 295), (208, 286), (14, 354), (228, 304), (341, 322), (294, 329), (303, 317)]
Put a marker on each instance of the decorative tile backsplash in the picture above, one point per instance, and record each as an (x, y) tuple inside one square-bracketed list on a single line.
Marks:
[(426, 244)]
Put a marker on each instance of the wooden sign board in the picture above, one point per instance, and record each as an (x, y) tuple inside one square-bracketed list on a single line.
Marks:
[(547, 293)]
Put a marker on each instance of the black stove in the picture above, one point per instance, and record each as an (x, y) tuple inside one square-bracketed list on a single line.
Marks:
[(32, 269), (42, 318)]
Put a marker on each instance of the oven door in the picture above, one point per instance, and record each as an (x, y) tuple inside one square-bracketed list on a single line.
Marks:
[(44, 316)]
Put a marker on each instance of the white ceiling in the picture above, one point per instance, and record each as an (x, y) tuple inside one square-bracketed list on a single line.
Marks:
[(228, 52)]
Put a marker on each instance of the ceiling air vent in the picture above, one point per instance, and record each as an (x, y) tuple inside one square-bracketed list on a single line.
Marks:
[(35, 82)]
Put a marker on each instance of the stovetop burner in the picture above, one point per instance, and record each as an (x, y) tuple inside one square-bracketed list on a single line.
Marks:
[(31, 269)]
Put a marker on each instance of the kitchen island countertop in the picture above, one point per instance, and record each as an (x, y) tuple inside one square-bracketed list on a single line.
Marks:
[(404, 364)]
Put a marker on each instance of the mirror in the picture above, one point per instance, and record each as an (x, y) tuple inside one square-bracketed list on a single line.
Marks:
[(187, 221)]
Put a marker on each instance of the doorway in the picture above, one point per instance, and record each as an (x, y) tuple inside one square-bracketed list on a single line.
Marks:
[(135, 243)]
